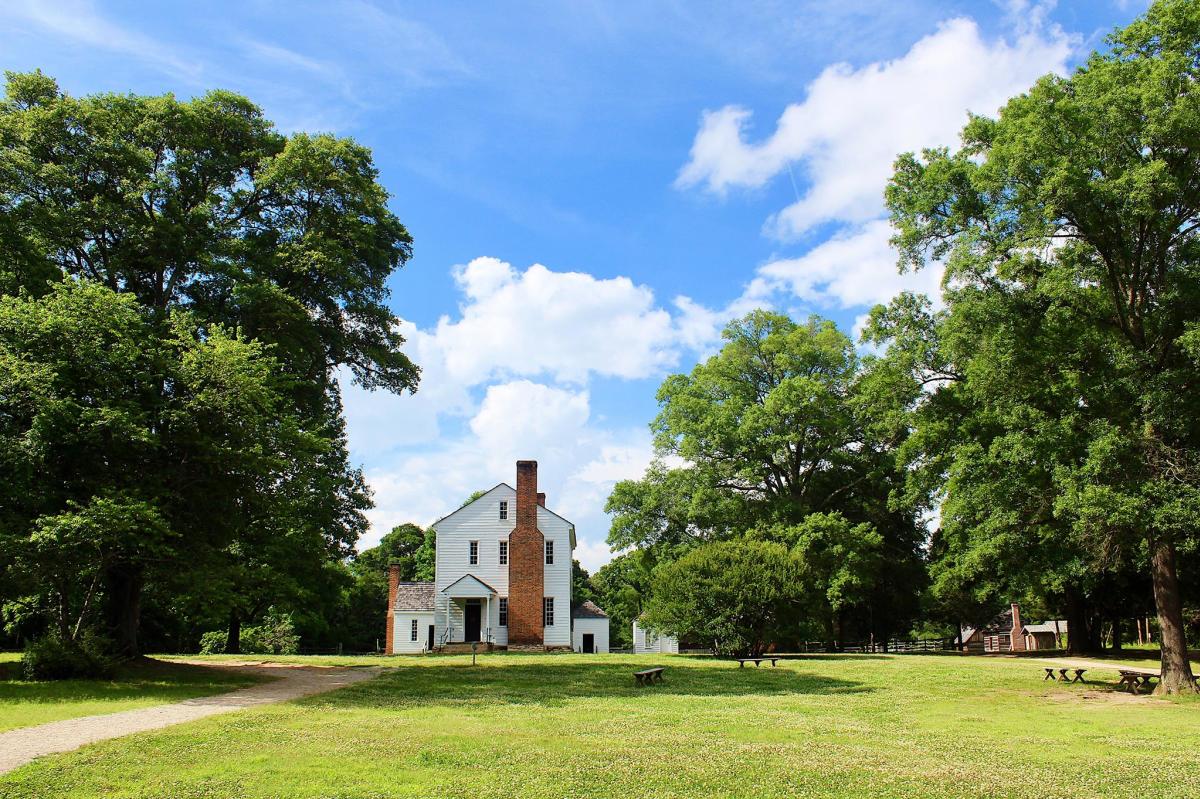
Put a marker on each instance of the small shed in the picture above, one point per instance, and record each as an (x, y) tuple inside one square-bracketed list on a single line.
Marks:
[(411, 616), (589, 629), (646, 642), (1047, 635)]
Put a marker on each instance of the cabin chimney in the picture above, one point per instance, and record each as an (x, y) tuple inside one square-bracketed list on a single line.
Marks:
[(526, 569), (1017, 638), (542, 498)]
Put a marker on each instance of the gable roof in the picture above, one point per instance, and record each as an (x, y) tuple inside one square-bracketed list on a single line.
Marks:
[(588, 610), (470, 581), (1046, 627), (510, 488), (414, 596)]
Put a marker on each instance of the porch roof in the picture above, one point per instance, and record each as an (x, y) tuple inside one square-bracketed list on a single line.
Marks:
[(469, 586)]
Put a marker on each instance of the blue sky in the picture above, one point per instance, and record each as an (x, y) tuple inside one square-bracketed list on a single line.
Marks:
[(593, 188)]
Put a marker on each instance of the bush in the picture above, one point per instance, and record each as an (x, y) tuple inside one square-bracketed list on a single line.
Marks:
[(213, 643), (51, 658), (275, 636)]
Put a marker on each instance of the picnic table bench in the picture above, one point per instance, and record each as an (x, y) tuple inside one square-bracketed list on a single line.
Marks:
[(1063, 674), (756, 661), (648, 676)]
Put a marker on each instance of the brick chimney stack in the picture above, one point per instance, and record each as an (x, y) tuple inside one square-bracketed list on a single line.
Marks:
[(393, 588), (1016, 638), (526, 569), (541, 499)]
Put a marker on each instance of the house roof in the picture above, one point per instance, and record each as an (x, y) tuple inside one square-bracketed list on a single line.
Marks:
[(510, 488), (1047, 627), (414, 596), (588, 610)]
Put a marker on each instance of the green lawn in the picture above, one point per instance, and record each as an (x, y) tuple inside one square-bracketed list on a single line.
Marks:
[(576, 726), (23, 704)]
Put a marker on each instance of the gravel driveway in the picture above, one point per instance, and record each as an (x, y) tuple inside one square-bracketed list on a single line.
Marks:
[(19, 746)]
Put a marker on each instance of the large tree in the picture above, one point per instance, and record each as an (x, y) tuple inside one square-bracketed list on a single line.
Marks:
[(1070, 225), (202, 206), (782, 423)]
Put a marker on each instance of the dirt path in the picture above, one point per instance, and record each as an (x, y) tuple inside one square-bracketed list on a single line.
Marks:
[(19, 746)]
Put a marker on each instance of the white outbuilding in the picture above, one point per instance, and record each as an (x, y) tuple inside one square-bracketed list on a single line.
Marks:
[(646, 642), (589, 629)]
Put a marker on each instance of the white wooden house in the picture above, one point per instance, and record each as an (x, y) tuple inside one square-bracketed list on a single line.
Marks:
[(646, 642), (502, 578)]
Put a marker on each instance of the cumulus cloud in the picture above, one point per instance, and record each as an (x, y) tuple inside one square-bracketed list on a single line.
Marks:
[(507, 378), (847, 131)]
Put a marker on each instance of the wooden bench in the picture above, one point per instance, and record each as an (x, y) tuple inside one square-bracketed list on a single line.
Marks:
[(756, 661), (649, 676), (1063, 674)]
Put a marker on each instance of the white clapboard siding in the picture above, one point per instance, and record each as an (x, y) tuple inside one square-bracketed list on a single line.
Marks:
[(402, 643), (645, 642), (480, 521), (598, 628)]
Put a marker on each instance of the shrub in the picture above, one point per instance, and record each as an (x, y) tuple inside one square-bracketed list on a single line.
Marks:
[(275, 636), (213, 643), (51, 658)]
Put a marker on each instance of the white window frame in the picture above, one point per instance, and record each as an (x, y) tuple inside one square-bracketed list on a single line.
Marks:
[(413, 634), (503, 552), (547, 611), (549, 552), (473, 553), (503, 611), (503, 509)]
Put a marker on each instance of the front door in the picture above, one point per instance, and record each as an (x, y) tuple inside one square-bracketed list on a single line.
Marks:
[(472, 615), (589, 643)]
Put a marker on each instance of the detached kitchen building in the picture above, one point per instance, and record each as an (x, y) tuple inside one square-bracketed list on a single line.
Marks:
[(502, 580)]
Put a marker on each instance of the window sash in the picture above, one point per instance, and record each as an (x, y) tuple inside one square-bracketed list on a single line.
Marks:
[(473, 553), (503, 611), (414, 629), (503, 509), (503, 553), (547, 611), (549, 553)]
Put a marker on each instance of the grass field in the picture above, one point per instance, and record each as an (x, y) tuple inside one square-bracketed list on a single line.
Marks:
[(576, 726), (23, 704)]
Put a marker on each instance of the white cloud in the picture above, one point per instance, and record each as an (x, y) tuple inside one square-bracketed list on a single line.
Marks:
[(508, 378), (847, 131)]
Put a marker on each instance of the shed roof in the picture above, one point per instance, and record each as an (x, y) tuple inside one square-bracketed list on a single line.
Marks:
[(414, 596), (588, 610), (1047, 627)]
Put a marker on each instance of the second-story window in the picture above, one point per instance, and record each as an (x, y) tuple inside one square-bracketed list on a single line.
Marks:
[(473, 553), (549, 553), (503, 611), (503, 553), (503, 509)]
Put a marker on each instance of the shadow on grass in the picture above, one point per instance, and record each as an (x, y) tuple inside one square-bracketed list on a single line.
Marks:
[(550, 683), (138, 679)]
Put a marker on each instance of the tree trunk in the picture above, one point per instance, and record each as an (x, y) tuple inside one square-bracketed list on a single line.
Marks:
[(124, 607), (1176, 669), (233, 639), (830, 643), (1117, 642), (1082, 632)]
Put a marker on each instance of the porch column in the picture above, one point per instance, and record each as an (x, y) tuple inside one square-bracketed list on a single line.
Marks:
[(487, 624)]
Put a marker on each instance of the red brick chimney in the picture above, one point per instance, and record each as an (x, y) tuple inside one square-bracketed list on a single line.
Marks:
[(526, 569), (1016, 637), (541, 499), (393, 587)]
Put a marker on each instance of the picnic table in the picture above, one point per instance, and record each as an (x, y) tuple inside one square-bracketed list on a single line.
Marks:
[(756, 661), (1136, 680), (1063, 675), (649, 676)]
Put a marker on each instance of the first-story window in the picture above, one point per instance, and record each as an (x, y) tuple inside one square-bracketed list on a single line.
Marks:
[(503, 611), (473, 553), (414, 630), (503, 553), (549, 553), (547, 611)]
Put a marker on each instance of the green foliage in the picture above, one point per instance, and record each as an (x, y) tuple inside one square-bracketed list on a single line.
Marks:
[(274, 635), (622, 587), (52, 658), (734, 596), (1064, 426), (582, 589), (213, 642)]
